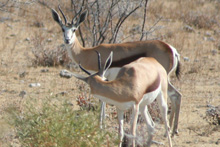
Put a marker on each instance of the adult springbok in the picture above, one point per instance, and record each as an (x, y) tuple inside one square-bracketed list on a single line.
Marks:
[(137, 85), (124, 53)]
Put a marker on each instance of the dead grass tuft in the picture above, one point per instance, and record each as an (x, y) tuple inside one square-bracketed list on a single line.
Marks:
[(199, 20), (213, 115), (50, 57), (203, 130)]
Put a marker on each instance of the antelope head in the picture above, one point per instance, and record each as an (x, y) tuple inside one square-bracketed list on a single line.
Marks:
[(100, 73), (69, 28)]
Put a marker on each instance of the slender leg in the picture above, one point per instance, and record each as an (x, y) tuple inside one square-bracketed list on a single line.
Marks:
[(102, 115), (175, 97), (173, 109), (110, 75), (120, 114), (163, 109), (150, 124), (135, 112)]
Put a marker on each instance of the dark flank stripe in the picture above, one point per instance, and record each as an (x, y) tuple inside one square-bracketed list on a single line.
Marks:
[(127, 60), (154, 86)]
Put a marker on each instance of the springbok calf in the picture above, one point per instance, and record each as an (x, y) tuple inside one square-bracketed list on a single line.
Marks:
[(137, 85), (124, 53)]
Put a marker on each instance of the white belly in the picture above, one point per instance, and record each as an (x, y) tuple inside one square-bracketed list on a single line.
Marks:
[(150, 97), (122, 106)]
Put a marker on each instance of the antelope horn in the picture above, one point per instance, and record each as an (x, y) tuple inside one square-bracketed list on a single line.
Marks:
[(99, 60), (83, 69), (78, 12), (63, 15)]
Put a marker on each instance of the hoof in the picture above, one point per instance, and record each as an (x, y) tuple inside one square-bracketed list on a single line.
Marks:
[(176, 133)]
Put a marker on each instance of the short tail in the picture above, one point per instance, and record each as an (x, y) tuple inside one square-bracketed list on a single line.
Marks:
[(178, 70)]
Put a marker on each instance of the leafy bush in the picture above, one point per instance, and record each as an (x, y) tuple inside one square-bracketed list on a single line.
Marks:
[(59, 125)]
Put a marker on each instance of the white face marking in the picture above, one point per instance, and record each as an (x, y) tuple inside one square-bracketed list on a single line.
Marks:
[(69, 34)]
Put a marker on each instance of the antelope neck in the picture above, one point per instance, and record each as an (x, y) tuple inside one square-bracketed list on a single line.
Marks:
[(75, 51)]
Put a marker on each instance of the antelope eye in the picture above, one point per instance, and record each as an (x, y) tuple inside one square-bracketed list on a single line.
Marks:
[(74, 30)]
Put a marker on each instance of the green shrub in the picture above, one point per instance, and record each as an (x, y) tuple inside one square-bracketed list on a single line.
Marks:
[(59, 125)]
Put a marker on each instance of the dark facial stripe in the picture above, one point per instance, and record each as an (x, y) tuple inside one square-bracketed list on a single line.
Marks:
[(127, 60)]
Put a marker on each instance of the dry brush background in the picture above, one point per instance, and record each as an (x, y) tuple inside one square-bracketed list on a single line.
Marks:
[(31, 52)]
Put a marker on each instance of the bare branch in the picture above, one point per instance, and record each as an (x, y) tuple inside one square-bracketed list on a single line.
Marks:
[(152, 28), (74, 7), (3, 5), (77, 13), (105, 19), (143, 25), (43, 3), (120, 22)]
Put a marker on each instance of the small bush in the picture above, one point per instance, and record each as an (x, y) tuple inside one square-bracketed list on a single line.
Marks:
[(200, 20), (59, 125), (213, 115), (50, 57)]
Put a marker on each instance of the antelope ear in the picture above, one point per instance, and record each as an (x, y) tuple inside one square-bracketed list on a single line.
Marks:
[(81, 18), (56, 16), (108, 61)]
